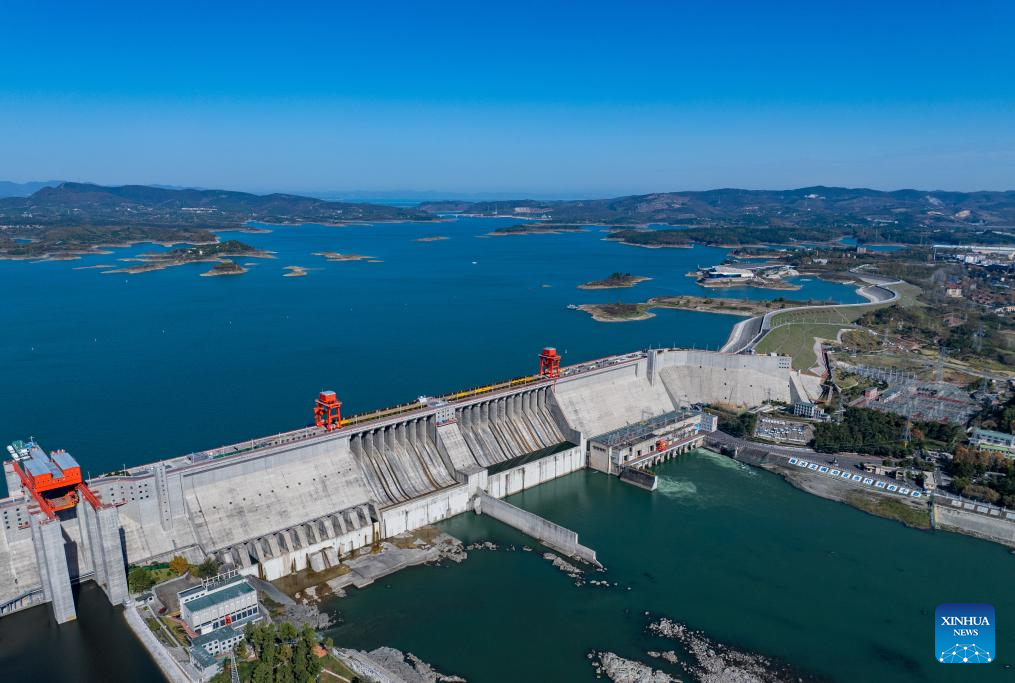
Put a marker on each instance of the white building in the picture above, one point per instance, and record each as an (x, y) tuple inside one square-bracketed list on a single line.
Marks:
[(226, 600)]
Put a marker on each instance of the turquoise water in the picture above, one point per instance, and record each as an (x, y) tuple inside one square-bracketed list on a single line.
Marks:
[(734, 551), (125, 369)]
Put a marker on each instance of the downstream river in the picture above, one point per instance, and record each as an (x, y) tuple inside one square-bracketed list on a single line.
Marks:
[(721, 547), (122, 369)]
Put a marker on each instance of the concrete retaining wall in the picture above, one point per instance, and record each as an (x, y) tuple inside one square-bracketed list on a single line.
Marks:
[(639, 478), (549, 534), (317, 556), (419, 512), (981, 526), (169, 667), (534, 473)]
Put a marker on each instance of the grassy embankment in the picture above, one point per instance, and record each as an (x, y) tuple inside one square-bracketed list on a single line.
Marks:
[(794, 332), (891, 508)]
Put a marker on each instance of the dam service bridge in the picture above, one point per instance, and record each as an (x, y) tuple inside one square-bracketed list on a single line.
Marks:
[(307, 498)]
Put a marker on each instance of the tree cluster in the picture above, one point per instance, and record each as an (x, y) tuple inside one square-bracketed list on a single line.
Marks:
[(284, 654), (969, 469), (738, 425), (864, 430)]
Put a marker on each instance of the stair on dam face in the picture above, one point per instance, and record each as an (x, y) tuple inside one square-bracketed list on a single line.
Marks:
[(400, 463), (496, 434)]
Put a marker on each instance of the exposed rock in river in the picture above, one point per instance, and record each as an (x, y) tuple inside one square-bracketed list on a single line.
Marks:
[(718, 663), (620, 670), (566, 567)]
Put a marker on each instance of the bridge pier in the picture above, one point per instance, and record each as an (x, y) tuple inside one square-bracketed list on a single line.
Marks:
[(47, 536)]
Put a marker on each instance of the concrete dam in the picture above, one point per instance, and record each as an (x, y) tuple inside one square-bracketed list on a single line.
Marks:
[(310, 497)]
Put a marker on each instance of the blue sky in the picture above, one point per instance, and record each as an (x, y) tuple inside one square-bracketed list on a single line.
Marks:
[(547, 98)]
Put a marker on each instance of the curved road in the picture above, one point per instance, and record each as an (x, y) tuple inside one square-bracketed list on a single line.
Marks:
[(746, 334)]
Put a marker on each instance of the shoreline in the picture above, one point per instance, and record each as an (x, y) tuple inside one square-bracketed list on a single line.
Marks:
[(754, 283), (743, 308), (151, 262)]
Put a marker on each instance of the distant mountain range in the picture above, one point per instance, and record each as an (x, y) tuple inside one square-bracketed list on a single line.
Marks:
[(805, 207), (67, 216), (9, 189)]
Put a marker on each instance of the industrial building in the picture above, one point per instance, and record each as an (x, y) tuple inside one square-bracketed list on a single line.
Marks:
[(214, 614), (998, 442), (308, 498), (726, 273), (807, 409), (226, 600), (651, 441)]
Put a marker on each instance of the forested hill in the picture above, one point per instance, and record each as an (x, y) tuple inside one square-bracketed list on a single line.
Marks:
[(82, 204), (868, 213)]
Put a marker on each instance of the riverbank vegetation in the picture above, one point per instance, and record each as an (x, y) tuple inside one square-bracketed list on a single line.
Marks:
[(891, 508), (281, 653)]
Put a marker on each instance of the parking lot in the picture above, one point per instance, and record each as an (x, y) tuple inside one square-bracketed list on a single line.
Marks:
[(783, 431)]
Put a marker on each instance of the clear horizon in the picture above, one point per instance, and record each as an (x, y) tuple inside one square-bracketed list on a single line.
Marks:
[(451, 195), (520, 99)]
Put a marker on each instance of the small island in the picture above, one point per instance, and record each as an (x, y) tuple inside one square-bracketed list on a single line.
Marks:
[(535, 229), (209, 253), (615, 281), (225, 267), (336, 256), (69, 242), (434, 238), (617, 312), (652, 239), (295, 271)]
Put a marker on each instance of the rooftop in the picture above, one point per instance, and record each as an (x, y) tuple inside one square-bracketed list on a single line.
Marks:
[(628, 435), (990, 434), (219, 594), (224, 633)]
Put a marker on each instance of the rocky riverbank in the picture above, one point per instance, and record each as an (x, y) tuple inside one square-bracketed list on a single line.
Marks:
[(718, 663), (388, 665)]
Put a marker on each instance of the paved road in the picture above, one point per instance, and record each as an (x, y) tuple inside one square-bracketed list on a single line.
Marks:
[(844, 459), (746, 334)]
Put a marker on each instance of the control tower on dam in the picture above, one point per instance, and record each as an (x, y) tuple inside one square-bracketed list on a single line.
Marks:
[(308, 498)]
